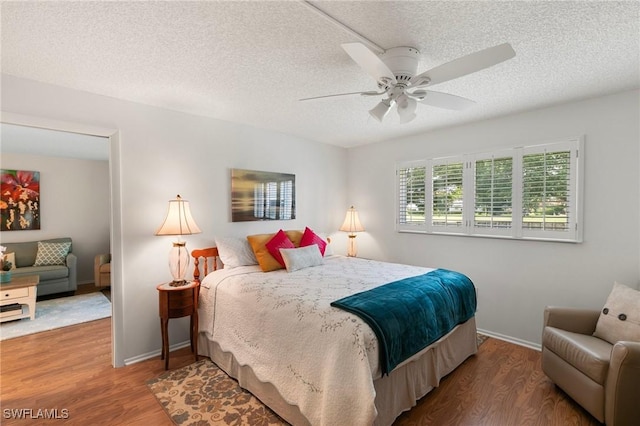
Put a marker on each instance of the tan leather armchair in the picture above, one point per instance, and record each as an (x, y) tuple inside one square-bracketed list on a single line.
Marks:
[(102, 270), (603, 378)]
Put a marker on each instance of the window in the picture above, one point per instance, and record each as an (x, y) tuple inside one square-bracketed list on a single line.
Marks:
[(532, 192), (493, 193), (549, 195), (411, 201), (446, 195)]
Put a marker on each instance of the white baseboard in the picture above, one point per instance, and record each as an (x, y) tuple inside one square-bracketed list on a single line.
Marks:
[(152, 354), (149, 355), (516, 341)]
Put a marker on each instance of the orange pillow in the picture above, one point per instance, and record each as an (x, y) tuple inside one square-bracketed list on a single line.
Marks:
[(295, 237), (258, 243)]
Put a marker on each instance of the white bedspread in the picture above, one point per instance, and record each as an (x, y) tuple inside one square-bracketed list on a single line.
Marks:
[(281, 324)]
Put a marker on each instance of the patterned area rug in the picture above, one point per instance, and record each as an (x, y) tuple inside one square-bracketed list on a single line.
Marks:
[(60, 312), (201, 394)]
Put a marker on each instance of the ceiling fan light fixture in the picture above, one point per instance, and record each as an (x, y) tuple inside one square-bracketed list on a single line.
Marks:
[(381, 110), (406, 109), (395, 74), (406, 118)]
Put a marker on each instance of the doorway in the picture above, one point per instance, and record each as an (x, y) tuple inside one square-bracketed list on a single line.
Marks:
[(80, 132)]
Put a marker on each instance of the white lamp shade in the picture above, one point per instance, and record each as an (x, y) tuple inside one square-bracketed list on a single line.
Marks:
[(352, 222), (406, 109), (179, 220), (381, 110)]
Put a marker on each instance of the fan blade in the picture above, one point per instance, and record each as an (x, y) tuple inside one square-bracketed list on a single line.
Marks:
[(344, 94), (443, 100), (370, 62), (465, 65), (406, 108)]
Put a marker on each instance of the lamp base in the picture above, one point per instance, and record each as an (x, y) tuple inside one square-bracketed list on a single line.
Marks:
[(178, 263), (352, 251)]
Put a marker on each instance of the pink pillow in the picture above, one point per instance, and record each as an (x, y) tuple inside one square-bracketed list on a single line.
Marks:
[(309, 238), (280, 240)]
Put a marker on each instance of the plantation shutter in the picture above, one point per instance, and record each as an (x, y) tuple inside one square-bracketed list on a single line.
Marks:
[(493, 193), (411, 195), (447, 204), (532, 192), (550, 191)]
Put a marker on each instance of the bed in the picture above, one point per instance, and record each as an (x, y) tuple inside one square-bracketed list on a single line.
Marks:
[(278, 335)]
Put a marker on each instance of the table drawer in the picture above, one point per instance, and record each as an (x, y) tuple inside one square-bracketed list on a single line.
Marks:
[(181, 301), (14, 293)]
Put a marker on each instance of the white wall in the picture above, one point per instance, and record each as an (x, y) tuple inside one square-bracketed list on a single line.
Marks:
[(74, 202), (516, 279), (157, 154)]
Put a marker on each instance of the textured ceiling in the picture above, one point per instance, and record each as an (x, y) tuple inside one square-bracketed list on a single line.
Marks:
[(250, 61)]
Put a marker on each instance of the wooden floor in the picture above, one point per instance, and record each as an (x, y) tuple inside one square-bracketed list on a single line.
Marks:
[(70, 369)]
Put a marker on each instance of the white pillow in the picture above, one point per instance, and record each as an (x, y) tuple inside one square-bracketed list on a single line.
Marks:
[(328, 250), (302, 257), (235, 252), (620, 317)]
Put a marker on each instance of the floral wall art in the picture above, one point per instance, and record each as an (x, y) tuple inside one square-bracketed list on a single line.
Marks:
[(19, 200)]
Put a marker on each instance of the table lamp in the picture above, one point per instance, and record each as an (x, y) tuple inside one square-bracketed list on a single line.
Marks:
[(352, 225), (178, 222)]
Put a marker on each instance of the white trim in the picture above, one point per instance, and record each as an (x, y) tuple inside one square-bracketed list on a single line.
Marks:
[(51, 124), (157, 352), (514, 340)]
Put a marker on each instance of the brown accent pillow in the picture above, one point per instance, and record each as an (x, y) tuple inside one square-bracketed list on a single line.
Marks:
[(266, 261), (620, 317)]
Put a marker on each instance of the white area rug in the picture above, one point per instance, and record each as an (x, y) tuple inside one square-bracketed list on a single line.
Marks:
[(61, 312)]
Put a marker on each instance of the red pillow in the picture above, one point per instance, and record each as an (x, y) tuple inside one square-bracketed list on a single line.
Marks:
[(309, 238), (280, 240)]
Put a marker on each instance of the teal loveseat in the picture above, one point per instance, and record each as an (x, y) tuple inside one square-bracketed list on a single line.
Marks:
[(58, 278)]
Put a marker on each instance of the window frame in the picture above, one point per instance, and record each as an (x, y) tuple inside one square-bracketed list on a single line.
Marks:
[(575, 180)]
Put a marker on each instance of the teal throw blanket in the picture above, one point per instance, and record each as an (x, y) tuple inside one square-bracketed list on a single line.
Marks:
[(410, 314)]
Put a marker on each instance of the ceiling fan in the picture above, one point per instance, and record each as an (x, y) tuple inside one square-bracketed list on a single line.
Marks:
[(395, 73)]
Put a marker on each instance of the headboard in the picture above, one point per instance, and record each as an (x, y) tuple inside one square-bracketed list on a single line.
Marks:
[(210, 255)]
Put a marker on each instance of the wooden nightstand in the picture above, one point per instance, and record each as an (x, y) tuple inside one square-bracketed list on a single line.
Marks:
[(178, 302)]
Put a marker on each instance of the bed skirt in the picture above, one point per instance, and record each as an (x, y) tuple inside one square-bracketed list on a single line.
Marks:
[(423, 371)]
